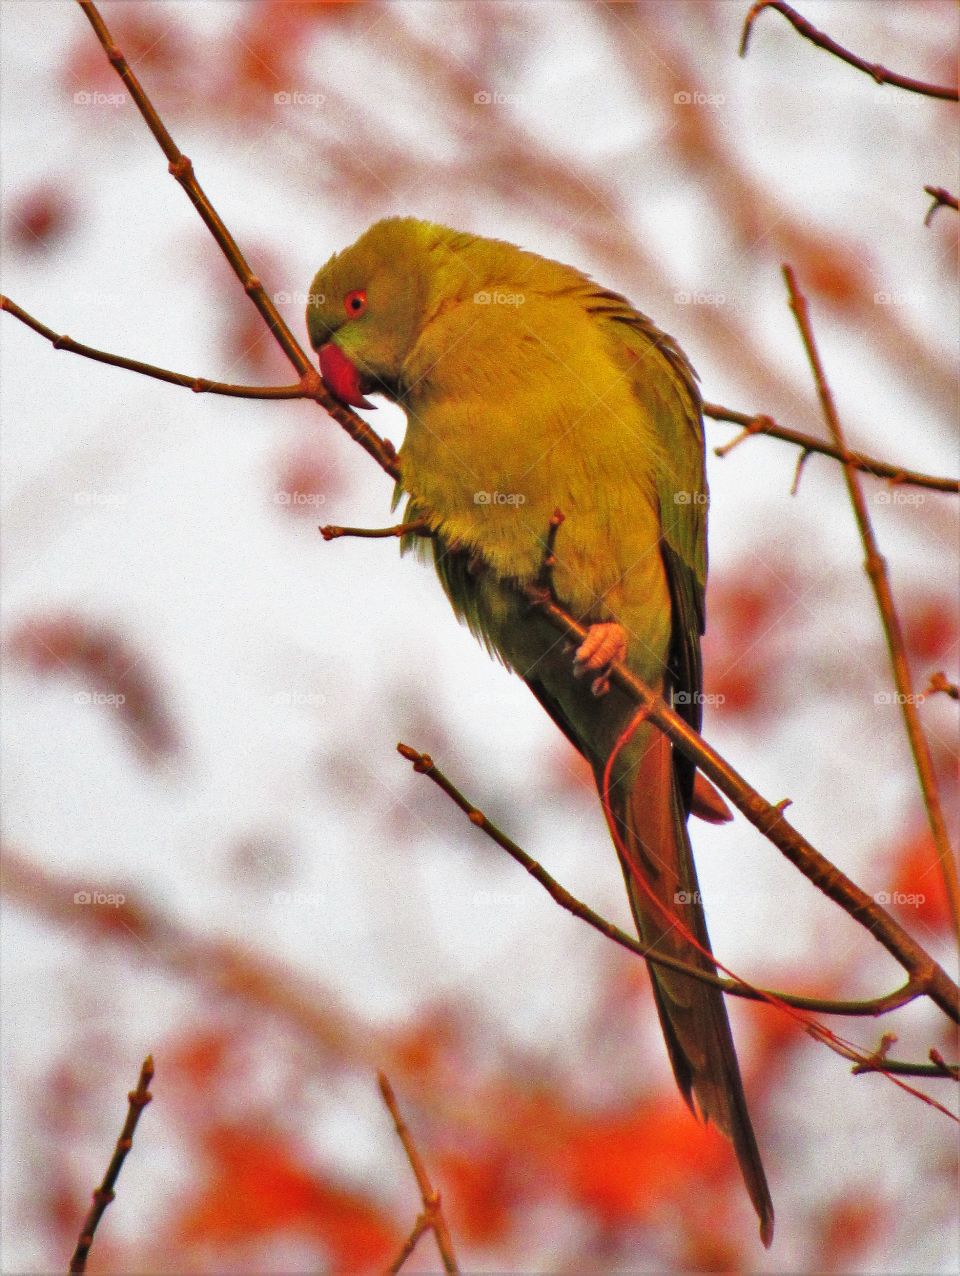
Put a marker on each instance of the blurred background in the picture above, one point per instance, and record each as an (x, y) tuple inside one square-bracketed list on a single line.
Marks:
[(213, 851)]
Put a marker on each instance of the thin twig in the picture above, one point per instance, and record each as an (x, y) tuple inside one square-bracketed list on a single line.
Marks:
[(431, 1198), (876, 569), (104, 1194), (762, 424), (410, 1244), (419, 527), (941, 199), (940, 684), (199, 385), (823, 41), (876, 1006), (903, 1068), (182, 169)]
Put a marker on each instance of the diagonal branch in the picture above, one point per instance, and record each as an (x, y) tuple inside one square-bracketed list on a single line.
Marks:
[(104, 1194), (424, 764), (876, 569), (770, 820), (880, 73), (182, 169), (432, 1209), (759, 423)]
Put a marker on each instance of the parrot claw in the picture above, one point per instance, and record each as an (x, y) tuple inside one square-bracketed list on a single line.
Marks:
[(604, 645)]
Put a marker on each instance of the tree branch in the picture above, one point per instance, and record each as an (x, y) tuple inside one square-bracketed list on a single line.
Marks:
[(876, 569), (104, 1194), (823, 41), (432, 1208), (424, 765), (182, 169), (762, 424), (199, 385)]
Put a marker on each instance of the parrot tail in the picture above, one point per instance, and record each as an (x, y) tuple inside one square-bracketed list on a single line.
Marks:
[(649, 817)]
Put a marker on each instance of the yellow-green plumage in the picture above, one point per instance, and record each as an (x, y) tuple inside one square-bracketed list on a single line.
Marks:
[(529, 388)]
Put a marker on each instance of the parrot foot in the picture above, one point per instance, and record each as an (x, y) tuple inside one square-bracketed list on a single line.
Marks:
[(604, 645)]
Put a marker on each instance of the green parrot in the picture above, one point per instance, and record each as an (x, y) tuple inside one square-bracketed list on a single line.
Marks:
[(528, 388)]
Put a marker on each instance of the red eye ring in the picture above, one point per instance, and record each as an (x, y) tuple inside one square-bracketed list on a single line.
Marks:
[(355, 302)]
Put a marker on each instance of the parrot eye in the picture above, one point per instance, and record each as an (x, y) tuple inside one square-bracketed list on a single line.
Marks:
[(355, 303)]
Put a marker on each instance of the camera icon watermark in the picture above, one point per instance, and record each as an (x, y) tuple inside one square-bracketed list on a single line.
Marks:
[(499, 498), (112, 899), (493, 97), (691, 498), (697, 98), (687, 897), (499, 298), (112, 699), (902, 899), (93, 97), (297, 97)]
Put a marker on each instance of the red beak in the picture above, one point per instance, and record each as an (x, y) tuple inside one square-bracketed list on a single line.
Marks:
[(341, 377)]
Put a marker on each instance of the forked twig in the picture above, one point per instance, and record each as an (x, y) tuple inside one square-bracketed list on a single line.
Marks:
[(760, 423), (104, 1194), (432, 1215)]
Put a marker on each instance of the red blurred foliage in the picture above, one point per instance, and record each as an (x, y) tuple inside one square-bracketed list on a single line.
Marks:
[(151, 44), (917, 890), (260, 1186), (308, 478), (930, 627), (848, 1226), (479, 1192), (743, 613), (40, 218), (626, 1165), (117, 673)]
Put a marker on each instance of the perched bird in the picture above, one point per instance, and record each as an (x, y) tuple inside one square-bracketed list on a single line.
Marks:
[(528, 388)]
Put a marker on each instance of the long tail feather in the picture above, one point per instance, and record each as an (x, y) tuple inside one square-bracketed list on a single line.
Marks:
[(648, 814)]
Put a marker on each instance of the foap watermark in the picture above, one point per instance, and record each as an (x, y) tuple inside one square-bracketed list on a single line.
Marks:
[(299, 97), (302, 500), (899, 697), (687, 897), (493, 97), (902, 899), (884, 298), (699, 697), (684, 298), (113, 699), (499, 298), (697, 98), (112, 899), (900, 496), (499, 498), (285, 298), (295, 699), (94, 97), (690, 498)]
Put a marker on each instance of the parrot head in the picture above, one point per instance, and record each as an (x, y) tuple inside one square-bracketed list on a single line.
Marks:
[(366, 308)]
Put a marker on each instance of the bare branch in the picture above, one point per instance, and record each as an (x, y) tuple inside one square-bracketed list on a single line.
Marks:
[(876, 569), (182, 169), (823, 41), (762, 424), (199, 385), (431, 1198), (104, 1194), (424, 764)]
